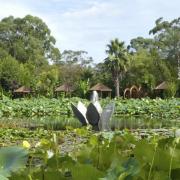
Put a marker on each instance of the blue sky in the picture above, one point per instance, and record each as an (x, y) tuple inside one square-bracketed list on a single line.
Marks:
[(90, 24)]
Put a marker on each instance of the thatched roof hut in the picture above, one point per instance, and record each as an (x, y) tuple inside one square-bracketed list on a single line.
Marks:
[(159, 90), (22, 90), (101, 88), (64, 88), (162, 86)]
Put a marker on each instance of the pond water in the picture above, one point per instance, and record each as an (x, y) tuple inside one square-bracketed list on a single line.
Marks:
[(143, 122), (117, 122)]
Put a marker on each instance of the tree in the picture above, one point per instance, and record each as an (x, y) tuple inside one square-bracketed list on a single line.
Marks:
[(76, 69), (167, 37), (26, 48), (147, 69), (28, 39), (76, 57), (116, 61), (100, 74), (156, 59), (47, 80), (9, 73), (140, 43)]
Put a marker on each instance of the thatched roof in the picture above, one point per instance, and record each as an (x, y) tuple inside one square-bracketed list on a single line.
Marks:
[(22, 89), (161, 86), (100, 87), (64, 88)]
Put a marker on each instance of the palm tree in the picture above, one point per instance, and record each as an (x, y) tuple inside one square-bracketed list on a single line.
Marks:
[(116, 61)]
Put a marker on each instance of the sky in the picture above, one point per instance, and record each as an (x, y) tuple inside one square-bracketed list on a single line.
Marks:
[(89, 25)]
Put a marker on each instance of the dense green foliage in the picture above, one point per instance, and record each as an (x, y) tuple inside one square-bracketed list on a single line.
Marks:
[(119, 155), (27, 39), (162, 51), (62, 106), (26, 46)]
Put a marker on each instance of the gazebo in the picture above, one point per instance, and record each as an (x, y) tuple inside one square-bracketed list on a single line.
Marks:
[(160, 88), (22, 91), (66, 88), (101, 88)]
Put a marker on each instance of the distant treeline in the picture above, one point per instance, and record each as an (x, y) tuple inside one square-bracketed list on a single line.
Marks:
[(29, 57)]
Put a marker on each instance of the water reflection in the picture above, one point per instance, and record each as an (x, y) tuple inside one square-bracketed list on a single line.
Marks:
[(143, 122), (47, 122), (61, 122)]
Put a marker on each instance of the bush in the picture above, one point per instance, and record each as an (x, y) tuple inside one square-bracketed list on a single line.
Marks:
[(171, 90)]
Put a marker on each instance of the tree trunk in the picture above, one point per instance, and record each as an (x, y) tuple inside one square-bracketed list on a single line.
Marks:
[(117, 87), (178, 65)]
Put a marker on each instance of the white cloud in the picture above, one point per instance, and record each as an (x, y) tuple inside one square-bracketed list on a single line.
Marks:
[(94, 10), (8, 8)]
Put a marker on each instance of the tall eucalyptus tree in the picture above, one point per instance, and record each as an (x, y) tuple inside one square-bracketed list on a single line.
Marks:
[(28, 39), (167, 37)]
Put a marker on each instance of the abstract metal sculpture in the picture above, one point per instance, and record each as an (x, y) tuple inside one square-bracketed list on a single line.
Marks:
[(104, 122), (94, 115), (80, 113)]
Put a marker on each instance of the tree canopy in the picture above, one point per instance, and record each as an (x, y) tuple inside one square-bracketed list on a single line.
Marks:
[(28, 39), (29, 57)]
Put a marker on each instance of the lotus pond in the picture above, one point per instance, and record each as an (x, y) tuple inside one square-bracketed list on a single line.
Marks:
[(117, 122), (41, 140), (169, 108)]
